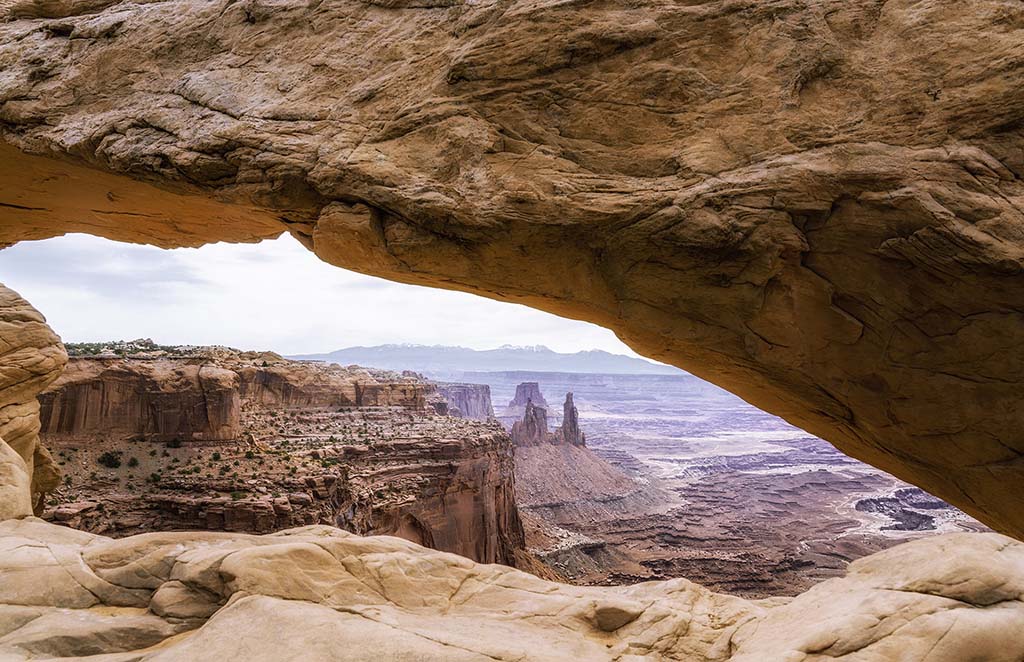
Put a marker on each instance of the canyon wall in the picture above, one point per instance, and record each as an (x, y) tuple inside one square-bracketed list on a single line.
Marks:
[(468, 400), (200, 398), (153, 400), (250, 442)]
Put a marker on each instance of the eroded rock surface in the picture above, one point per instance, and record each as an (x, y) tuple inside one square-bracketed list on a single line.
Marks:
[(815, 205), (527, 393), (219, 440), (31, 357), (468, 400), (175, 596), (201, 397)]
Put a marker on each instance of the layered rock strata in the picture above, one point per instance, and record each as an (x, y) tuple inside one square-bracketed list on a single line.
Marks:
[(468, 400), (532, 430), (815, 205), (248, 442), (200, 397), (173, 596), (526, 393)]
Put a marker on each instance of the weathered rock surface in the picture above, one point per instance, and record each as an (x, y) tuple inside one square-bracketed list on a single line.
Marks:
[(526, 393), (31, 356), (468, 400), (569, 430), (200, 398), (533, 429), (814, 205), (176, 596), (219, 440)]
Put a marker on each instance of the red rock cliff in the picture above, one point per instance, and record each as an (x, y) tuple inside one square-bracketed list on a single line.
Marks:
[(266, 445)]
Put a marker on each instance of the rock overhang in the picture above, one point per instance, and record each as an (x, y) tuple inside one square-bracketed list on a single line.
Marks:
[(817, 207)]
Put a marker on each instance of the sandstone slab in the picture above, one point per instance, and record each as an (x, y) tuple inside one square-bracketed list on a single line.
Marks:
[(343, 597)]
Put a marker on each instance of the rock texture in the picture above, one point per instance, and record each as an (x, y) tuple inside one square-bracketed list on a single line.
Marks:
[(817, 205), (532, 430), (526, 393), (569, 431), (468, 400), (31, 357), (200, 398), (177, 596), (225, 441)]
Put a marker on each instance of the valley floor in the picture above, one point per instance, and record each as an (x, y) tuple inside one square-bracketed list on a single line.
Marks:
[(720, 492)]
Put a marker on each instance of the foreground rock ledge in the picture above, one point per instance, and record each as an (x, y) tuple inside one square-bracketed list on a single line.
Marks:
[(816, 205), (319, 593)]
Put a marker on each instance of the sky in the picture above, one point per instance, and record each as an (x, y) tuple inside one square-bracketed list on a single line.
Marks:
[(274, 295)]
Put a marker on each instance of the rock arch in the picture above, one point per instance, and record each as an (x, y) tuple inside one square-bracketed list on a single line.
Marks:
[(817, 206)]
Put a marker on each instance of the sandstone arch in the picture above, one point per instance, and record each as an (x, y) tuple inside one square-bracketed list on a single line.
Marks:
[(816, 205)]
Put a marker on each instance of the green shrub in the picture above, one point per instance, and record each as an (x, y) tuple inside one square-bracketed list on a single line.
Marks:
[(133, 462), (110, 459)]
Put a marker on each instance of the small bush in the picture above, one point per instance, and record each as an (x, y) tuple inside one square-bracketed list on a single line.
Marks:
[(216, 456), (110, 459), (249, 455), (133, 462), (174, 443)]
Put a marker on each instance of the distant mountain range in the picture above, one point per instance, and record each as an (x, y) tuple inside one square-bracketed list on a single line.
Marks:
[(442, 359)]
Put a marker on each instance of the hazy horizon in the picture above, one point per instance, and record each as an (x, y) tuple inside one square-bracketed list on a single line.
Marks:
[(95, 290)]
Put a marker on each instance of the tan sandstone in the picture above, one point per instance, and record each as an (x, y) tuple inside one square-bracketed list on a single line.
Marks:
[(317, 593), (816, 205), (31, 357)]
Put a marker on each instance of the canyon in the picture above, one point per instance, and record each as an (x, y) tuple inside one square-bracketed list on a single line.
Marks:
[(680, 479), (818, 206), (219, 440), (330, 593)]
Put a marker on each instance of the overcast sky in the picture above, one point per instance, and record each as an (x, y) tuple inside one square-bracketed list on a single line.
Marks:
[(274, 295)]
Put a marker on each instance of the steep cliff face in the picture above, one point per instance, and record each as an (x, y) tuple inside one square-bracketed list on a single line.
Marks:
[(464, 490), (233, 442), (533, 429), (468, 400), (815, 205), (569, 431), (200, 398), (152, 400), (526, 393)]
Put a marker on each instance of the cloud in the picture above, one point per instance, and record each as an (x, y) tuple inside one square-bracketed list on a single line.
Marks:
[(273, 295)]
